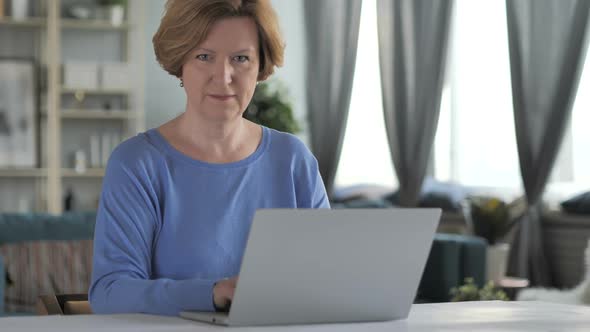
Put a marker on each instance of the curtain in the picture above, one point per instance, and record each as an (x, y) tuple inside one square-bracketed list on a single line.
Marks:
[(332, 28), (413, 39), (547, 45)]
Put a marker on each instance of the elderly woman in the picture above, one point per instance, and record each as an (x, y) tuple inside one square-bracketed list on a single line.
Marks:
[(177, 201)]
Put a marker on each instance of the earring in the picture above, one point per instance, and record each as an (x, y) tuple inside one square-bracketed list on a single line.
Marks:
[(181, 83)]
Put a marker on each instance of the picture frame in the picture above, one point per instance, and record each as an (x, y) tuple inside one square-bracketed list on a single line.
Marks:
[(19, 113)]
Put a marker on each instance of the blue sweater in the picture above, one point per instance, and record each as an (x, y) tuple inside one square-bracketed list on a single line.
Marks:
[(169, 226)]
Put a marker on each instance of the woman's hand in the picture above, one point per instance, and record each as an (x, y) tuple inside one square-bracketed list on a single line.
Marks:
[(223, 293)]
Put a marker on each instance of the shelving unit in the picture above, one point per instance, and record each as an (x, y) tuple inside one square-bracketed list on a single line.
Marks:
[(65, 122)]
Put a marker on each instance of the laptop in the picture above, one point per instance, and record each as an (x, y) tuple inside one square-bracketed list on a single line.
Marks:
[(308, 266)]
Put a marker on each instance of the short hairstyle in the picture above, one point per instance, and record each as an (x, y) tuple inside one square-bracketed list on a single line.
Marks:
[(186, 23)]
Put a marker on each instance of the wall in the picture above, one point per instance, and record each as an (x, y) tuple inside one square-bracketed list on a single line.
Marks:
[(164, 99)]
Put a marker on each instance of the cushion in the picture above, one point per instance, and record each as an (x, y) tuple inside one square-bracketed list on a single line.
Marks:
[(445, 195), (579, 204), (362, 203), (45, 267), (359, 191)]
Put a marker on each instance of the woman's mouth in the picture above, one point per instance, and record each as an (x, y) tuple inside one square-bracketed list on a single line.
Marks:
[(222, 97)]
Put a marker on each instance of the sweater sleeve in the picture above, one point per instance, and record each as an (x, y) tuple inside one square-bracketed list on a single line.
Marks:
[(319, 197), (311, 192), (126, 228)]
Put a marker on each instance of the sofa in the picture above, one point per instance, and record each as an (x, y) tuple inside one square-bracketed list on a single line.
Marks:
[(64, 246), (452, 259), (43, 253)]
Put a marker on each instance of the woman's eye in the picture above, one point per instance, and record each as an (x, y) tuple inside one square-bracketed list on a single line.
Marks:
[(202, 57), (241, 58)]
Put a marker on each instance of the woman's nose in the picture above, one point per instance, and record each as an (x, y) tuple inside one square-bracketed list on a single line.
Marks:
[(223, 72)]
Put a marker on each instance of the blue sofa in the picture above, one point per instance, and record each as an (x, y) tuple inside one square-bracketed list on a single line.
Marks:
[(41, 226), (452, 258)]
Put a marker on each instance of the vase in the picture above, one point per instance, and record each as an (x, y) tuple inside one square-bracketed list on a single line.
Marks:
[(116, 14), (19, 9), (497, 261)]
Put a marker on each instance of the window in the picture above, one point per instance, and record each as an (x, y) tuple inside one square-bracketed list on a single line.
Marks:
[(365, 154), (475, 144), (476, 141)]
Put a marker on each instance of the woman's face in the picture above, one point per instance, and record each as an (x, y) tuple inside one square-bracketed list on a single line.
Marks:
[(220, 74)]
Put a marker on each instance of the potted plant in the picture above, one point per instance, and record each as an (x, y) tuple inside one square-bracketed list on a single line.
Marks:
[(114, 10), (492, 219), (470, 292), (270, 107)]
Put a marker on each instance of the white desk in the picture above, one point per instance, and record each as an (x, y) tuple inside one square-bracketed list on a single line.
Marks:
[(455, 317)]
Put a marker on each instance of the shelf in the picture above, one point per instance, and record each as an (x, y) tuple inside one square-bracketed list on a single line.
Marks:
[(89, 173), (97, 114), (31, 22), (94, 114), (96, 92), (66, 23), (42, 172), (83, 24), (22, 172)]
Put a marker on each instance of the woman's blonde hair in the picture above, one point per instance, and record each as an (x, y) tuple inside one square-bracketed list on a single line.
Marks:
[(185, 25)]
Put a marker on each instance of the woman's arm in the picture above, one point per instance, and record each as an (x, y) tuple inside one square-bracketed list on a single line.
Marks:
[(127, 222)]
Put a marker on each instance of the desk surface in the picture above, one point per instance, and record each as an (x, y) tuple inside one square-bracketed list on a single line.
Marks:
[(455, 317)]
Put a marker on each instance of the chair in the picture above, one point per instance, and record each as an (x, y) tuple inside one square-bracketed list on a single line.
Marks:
[(64, 304)]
